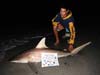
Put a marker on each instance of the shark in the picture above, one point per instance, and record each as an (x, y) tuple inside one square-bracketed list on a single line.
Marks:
[(34, 55)]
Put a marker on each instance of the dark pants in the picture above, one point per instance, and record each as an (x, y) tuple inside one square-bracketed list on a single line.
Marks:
[(50, 40)]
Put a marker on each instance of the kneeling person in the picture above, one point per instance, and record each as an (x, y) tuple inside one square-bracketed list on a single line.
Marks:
[(64, 20)]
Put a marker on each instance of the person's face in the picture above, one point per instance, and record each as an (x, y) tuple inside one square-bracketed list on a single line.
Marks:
[(63, 12)]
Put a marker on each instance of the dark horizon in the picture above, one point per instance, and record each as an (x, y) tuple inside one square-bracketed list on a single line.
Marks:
[(29, 19)]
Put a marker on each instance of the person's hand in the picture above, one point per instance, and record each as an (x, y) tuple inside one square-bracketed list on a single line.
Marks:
[(70, 48), (56, 43)]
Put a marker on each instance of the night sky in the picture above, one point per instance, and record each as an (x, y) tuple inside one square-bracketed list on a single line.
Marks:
[(26, 17)]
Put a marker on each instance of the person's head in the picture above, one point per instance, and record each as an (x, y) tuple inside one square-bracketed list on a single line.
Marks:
[(63, 12)]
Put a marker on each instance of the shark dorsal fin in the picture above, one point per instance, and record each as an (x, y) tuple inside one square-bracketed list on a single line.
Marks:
[(42, 44)]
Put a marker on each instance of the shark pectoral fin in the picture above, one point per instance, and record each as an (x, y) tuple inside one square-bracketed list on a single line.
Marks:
[(42, 44), (19, 61), (76, 50)]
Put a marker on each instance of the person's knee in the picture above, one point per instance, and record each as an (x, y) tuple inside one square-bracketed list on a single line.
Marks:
[(60, 27), (55, 28)]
